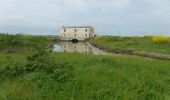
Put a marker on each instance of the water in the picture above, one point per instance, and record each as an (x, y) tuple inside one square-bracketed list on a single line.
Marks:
[(85, 47), (81, 47)]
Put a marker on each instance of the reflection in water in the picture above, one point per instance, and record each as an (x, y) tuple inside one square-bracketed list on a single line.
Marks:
[(72, 47), (81, 47)]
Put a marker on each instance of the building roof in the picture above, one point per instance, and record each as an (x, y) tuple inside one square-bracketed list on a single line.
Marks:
[(77, 27)]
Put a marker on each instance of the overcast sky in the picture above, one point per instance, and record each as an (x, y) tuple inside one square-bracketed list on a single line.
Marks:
[(109, 17)]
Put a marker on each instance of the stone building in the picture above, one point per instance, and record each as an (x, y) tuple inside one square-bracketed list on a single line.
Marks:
[(78, 33)]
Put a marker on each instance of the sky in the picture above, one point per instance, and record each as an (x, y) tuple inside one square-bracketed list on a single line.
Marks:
[(108, 17)]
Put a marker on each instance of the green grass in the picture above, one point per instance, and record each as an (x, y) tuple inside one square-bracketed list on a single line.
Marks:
[(130, 44), (131, 78), (21, 43), (78, 76), (35, 74)]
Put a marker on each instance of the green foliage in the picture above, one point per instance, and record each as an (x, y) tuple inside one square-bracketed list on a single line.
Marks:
[(21, 43), (20, 40), (78, 76), (42, 75), (120, 78), (40, 62)]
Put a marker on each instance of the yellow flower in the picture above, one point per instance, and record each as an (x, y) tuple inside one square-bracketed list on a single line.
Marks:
[(159, 39)]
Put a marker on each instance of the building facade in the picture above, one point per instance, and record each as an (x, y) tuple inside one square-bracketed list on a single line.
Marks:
[(79, 33)]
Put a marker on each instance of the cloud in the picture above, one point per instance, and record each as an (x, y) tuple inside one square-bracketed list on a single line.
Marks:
[(160, 7), (76, 5), (108, 16), (120, 4)]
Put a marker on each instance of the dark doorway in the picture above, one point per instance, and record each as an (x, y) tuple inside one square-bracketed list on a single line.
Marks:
[(74, 41)]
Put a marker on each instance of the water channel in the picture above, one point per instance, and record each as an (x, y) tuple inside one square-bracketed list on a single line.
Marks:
[(81, 47), (85, 47)]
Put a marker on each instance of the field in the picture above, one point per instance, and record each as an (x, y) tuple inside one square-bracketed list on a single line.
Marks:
[(34, 73)]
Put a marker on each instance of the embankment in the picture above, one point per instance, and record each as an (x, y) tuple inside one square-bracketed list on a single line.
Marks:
[(140, 46)]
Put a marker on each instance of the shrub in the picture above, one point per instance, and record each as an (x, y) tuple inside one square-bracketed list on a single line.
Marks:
[(41, 62), (158, 39)]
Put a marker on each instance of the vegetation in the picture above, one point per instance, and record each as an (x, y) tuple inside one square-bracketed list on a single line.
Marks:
[(42, 75), (149, 46), (21, 40), (20, 43), (159, 39), (57, 76)]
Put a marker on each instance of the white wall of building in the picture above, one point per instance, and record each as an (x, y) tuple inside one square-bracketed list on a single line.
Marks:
[(76, 32)]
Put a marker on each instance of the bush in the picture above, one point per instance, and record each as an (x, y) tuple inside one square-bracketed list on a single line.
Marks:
[(158, 39), (41, 62)]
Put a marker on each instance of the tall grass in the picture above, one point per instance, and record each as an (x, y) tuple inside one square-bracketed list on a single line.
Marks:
[(19, 43), (21, 40), (78, 76)]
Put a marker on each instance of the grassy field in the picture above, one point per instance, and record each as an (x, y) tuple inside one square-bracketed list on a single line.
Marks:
[(151, 46), (35, 74)]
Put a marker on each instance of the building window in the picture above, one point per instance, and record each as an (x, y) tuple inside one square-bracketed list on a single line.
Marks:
[(64, 35), (64, 30), (75, 30), (86, 30), (75, 35), (86, 35)]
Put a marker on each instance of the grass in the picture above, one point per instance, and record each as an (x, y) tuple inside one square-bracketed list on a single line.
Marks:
[(41, 75), (78, 76), (143, 46), (100, 77), (14, 43)]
